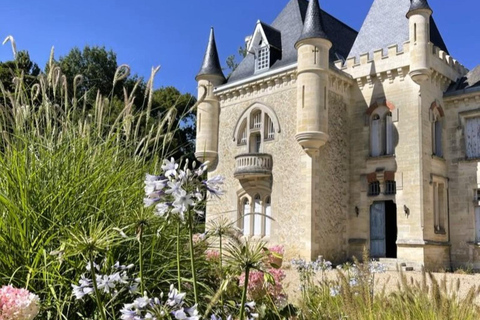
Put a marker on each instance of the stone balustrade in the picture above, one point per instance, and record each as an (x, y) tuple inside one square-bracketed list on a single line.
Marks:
[(253, 165)]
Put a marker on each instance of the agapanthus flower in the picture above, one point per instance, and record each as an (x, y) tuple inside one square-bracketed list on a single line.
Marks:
[(169, 167), (213, 185)]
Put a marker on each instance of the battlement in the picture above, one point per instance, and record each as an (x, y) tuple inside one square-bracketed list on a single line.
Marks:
[(439, 60)]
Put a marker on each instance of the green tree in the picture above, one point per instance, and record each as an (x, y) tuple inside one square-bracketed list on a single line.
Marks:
[(22, 64), (96, 65), (170, 101)]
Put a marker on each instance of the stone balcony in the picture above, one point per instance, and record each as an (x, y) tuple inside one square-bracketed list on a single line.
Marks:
[(253, 165)]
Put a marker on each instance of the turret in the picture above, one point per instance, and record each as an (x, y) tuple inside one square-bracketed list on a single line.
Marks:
[(313, 48), (419, 23), (208, 111)]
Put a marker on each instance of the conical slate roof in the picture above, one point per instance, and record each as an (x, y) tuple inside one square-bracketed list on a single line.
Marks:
[(387, 25), (419, 4), (290, 25), (211, 62), (313, 25)]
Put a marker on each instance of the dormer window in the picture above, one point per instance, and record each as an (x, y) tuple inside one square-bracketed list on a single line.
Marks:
[(263, 58), (265, 45)]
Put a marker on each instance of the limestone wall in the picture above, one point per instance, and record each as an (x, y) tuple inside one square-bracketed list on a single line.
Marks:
[(464, 177)]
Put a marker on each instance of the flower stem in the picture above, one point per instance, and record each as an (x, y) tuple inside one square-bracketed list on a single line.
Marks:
[(140, 258), (244, 294), (95, 289), (221, 268), (178, 258), (192, 256)]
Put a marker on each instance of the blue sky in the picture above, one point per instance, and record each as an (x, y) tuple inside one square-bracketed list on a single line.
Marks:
[(173, 34)]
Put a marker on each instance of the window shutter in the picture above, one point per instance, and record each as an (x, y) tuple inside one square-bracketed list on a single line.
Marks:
[(472, 137), (389, 134), (375, 138)]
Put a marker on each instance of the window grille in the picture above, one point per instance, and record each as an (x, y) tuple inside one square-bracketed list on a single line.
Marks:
[(270, 131), (263, 58), (390, 187), (257, 120), (243, 139), (374, 188)]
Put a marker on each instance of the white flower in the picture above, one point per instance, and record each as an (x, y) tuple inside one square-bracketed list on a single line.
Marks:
[(169, 167), (182, 202), (161, 209)]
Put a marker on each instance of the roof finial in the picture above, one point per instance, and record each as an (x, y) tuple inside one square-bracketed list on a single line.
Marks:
[(211, 62), (417, 5), (313, 25)]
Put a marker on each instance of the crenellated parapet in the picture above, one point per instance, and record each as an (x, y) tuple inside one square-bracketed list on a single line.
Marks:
[(395, 64)]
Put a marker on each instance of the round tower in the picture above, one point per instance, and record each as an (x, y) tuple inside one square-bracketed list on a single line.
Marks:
[(313, 48), (208, 111), (419, 23)]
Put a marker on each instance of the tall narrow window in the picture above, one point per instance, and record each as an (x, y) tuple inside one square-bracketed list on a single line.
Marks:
[(437, 133), (242, 136), (376, 136), (389, 134), (439, 206), (257, 120), (382, 138), (258, 214), (268, 213), (269, 129), (246, 217)]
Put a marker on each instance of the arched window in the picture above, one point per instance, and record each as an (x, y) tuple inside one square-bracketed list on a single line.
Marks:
[(246, 217), (253, 216), (256, 125), (242, 137), (381, 133), (269, 128)]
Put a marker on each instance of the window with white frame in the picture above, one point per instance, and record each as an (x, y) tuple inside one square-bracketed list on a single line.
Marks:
[(263, 58), (255, 215), (472, 137), (437, 126), (439, 204), (381, 133), (257, 124)]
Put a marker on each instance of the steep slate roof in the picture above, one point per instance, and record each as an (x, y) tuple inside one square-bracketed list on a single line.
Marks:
[(274, 36), (386, 24), (469, 83), (211, 62), (290, 24)]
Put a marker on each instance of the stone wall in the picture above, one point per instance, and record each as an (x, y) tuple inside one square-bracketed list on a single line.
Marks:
[(464, 177)]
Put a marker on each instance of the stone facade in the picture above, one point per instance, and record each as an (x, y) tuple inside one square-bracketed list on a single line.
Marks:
[(368, 152)]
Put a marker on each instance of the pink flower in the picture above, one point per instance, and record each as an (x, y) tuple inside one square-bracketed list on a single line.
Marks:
[(17, 304), (257, 286), (212, 255)]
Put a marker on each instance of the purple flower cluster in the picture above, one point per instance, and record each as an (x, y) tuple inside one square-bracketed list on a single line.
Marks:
[(157, 308), (176, 191)]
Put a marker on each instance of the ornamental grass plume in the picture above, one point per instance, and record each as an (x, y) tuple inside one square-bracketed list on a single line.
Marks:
[(18, 304)]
